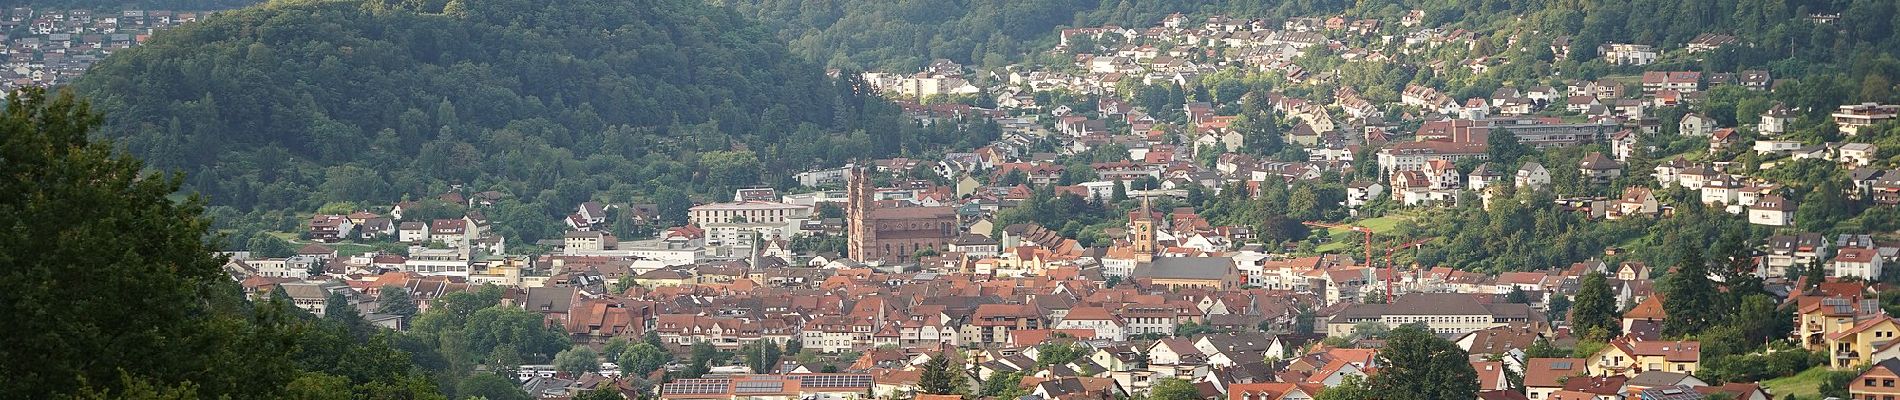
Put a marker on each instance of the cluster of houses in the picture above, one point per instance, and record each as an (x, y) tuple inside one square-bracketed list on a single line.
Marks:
[(46, 47), (930, 274)]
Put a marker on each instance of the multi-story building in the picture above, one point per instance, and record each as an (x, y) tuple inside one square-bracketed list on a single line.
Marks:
[(732, 223), (1878, 383), (1853, 117), (1445, 313)]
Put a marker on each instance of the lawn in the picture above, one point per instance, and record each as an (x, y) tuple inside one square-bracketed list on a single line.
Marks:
[(1805, 385), (1342, 237)]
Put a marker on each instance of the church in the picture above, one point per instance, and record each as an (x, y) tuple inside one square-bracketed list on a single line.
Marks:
[(893, 231)]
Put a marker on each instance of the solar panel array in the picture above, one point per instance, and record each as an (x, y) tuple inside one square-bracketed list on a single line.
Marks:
[(834, 381), (759, 386), (698, 386)]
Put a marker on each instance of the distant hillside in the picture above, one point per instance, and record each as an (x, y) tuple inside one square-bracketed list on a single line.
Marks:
[(907, 34), (297, 103)]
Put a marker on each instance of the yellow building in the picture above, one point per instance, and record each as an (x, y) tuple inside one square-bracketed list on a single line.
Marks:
[(1856, 345), (1629, 357), (1822, 317)]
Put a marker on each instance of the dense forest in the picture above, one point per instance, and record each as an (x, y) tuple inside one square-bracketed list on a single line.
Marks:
[(296, 104)]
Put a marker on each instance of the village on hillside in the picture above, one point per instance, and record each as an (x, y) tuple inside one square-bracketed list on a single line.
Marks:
[(50, 47), (866, 274)]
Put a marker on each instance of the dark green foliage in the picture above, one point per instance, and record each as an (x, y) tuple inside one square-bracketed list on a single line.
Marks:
[(1059, 353), (489, 386), (942, 375), (292, 105), (397, 301), (1690, 296), (576, 360), (1414, 364), (1171, 388), (1594, 314), (643, 358), (600, 394), (130, 301), (1007, 385)]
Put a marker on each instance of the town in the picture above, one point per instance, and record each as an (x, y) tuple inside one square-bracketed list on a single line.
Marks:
[(1095, 250), (49, 47)]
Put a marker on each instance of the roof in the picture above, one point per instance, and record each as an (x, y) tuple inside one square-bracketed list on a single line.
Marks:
[(1188, 268), (1550, 372)]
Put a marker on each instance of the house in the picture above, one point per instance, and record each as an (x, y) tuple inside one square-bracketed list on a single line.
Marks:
[(1599, 169), (1856, 345), (1544, 376), (1877, 383), (448, 231), (1695, 125), (1858, 262), (1774, 122), (1627, 54), (1771, 210), (1628, 357), (1636, 201), (330, 228), (1532, 175), (412, 232), (1856, 154), (1852, 118), (1679, 81)]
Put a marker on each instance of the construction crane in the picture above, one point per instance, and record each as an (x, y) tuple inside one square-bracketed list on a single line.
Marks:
[(1368, 246), (1392, 270)]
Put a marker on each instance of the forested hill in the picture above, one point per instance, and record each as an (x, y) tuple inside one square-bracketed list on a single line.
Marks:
[(294, 104)]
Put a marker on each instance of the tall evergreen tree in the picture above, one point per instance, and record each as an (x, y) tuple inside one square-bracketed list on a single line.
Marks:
[(1594, 313), (1690, 296), (941, 375)]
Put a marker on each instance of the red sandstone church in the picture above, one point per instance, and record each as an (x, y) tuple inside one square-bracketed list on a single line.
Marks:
[(893, 232)]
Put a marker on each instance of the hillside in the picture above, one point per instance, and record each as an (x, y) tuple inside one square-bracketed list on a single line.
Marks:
[(295, 104), (905, 35)]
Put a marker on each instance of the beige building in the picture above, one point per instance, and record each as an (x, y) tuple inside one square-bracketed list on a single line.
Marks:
[(1444, 313)]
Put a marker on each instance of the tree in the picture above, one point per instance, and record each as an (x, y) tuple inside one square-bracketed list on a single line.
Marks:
[(1415, 364), (1353, 387), (762, 357), (1370, 330), (1174, 389), (941, 375), (1517, 296), (1689, 295), (599, 394), (1594, 314), (489, 386), (1058, 353), (577, 360), (643, 358), (1008, 385), (339, 308), (397, 301)]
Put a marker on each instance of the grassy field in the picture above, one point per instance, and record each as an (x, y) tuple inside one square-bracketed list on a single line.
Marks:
[(1805, 385), (1343, 237)]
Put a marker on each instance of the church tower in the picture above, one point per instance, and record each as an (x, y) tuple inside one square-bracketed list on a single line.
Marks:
[(1144, 230), (860, 199)]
